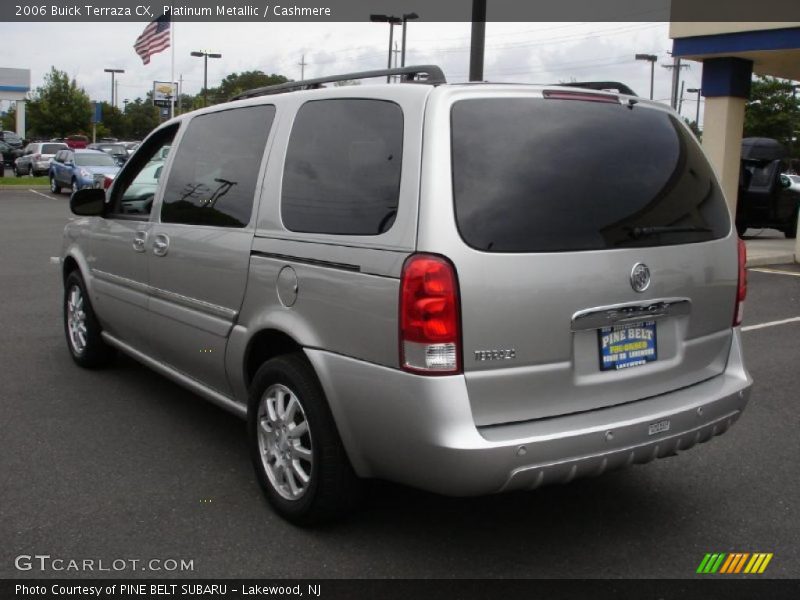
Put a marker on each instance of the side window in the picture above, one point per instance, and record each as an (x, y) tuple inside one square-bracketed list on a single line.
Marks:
[(213, 176), (343, 164), (137, 184)]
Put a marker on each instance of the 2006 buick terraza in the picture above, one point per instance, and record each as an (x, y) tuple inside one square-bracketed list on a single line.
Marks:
[(465, 288)]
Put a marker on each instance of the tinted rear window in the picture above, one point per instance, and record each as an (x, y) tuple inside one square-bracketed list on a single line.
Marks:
[(52, 148), (550, 175)]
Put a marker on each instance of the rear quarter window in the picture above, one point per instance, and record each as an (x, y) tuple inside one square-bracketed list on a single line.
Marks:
[(343, 165), (554, 175)]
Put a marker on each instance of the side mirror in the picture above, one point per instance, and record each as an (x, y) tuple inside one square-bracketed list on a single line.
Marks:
[(785, 182), (88, 202)]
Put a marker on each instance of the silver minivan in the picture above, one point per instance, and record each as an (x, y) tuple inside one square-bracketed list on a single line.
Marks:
[(468, 288)]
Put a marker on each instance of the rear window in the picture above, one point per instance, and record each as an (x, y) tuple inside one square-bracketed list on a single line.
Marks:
[(553, 175), (94, 159), (52, 148)]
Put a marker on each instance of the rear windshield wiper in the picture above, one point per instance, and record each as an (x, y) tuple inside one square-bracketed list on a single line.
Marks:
[(639, 232)]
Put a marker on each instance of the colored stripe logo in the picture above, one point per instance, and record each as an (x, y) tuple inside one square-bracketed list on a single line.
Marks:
[(734, 562)]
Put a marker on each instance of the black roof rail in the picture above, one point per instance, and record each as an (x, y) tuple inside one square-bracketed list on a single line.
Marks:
[(433, 75), (600, 85)]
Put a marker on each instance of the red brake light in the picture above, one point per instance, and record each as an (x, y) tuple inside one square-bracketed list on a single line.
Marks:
[(741, 288), (37, 157), (107, 181), (430, 321)]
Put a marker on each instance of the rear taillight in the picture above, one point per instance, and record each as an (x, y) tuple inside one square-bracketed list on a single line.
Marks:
[(430, 321), (741, 287), (107, 181), (37, 157)]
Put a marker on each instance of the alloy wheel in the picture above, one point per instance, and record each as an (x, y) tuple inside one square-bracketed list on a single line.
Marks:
[(284, 442), (76, 320)]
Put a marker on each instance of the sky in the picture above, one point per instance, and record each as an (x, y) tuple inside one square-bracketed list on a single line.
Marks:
[(521, 52)]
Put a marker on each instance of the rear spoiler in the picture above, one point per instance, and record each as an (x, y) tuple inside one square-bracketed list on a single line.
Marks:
[(600, 86)]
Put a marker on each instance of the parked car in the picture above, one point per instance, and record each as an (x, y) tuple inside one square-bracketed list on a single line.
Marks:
[(766, 199), (78, 169), (35, 159), (404, 282), (12, 139), (794, 181), (117, 151), (130, 147), (8, 153), (77, 142)]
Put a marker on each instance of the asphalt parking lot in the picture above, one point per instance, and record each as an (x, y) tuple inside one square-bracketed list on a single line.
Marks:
[(122, 463)]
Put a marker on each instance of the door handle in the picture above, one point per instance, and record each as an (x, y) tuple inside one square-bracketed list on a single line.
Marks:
[(161, 245), (138, 241)]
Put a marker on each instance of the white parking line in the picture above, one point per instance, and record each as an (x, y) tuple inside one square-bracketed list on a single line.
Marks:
[(775, 272), (42, 195), (771, 324)]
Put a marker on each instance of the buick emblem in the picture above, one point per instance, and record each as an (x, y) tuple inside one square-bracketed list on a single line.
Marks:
[(640, 277)]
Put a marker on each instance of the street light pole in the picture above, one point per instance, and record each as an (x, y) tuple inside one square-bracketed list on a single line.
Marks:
[(205, 54), (113, 72), (406, 18), (697, 115), (392, 20), (651, 58), (478, 40)]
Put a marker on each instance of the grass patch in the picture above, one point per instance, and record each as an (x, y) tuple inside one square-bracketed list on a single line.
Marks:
[(24, 181)]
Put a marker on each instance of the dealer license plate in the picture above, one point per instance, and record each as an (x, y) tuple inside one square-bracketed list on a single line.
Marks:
[(622, 347)]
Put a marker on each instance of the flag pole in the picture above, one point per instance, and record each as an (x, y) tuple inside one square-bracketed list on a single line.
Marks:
[(172, 69)]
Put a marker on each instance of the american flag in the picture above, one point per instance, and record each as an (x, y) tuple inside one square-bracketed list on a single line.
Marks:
[(153, 39)]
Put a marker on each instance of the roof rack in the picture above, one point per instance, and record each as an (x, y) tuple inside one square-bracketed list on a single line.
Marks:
[(429, 74), (600, 85)]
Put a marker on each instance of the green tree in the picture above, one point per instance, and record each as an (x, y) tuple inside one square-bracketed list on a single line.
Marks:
[(8, 122), (773, 111), (114, 122), (141, 118), (236, 83), (59, 107)]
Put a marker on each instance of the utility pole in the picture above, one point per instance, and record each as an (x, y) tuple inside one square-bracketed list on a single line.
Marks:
[(676, 67), (180, 93), (113, 72), (680, 100), (116, 93), (651, 58), (302, 64)]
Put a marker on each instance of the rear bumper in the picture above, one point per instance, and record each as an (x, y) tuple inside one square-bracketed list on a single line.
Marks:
[(420, 431)]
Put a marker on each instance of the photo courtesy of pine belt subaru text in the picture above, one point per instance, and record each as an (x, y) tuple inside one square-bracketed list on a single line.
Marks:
[(409, 281)]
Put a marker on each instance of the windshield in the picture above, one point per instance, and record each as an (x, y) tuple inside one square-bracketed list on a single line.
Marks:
[(554, 175), (94, 160)]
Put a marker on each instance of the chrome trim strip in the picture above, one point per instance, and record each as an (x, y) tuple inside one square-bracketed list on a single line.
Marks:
[(185, 301), (606, 316), (192, 385)]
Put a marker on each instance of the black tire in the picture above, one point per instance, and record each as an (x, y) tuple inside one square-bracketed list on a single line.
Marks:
[(54, 187), (333, 489), (94, 352), (75, 187)]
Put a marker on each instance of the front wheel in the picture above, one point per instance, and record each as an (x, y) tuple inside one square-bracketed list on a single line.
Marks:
[(54, 187), (75, 186), (81, 326), (299, 459)]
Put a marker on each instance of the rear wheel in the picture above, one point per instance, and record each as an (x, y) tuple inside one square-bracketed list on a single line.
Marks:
[(81, 326), (299, 459), (54, 187)]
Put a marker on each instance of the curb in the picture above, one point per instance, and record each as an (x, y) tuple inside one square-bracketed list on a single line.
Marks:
[(772, 259)]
